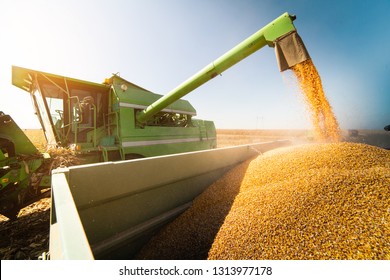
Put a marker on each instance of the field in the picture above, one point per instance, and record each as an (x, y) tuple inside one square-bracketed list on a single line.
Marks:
[(234, 137), (37, 137), (225, 137)]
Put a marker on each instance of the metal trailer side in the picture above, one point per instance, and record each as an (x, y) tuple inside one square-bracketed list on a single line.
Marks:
[(110, 210)]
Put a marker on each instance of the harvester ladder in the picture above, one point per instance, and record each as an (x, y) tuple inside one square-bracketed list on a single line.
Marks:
[(113, 125)]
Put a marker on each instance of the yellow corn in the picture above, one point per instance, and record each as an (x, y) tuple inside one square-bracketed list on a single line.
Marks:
[(316, 201)]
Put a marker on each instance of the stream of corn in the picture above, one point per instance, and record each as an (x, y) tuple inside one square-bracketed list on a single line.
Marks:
[(325, 125)]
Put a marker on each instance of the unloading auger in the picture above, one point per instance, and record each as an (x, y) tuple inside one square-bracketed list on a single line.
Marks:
[(280, 33)]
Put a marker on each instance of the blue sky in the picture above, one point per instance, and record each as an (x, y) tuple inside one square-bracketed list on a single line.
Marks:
[(159, 44)]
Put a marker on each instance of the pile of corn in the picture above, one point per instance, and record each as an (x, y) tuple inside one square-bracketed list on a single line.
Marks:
[(317, 201), (324, 122)]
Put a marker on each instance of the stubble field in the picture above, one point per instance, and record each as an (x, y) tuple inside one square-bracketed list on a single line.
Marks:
[(234, 137)]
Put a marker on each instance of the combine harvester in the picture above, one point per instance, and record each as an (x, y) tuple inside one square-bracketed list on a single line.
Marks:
[(108, 210)]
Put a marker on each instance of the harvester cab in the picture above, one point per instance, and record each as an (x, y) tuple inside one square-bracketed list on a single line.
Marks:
[(66, 108)]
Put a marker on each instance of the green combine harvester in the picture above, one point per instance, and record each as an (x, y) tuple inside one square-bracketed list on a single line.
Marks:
[(109, 208), (118, 120)]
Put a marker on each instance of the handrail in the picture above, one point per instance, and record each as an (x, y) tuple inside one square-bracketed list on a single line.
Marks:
[(65, 224)]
